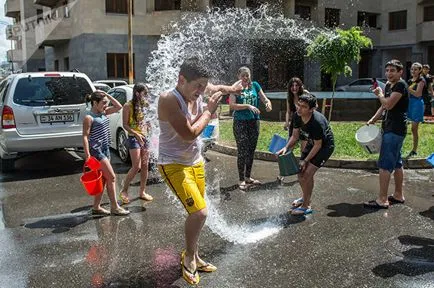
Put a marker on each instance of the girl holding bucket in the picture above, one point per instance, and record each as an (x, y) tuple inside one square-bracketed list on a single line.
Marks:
[(246, 124), (138, 128), (96, 143), (416, 105)]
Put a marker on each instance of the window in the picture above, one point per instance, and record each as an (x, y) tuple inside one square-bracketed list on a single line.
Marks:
[(398, 20), (66, 63), (163, 5), (223, 4), (121, 96), (117, 65), (56, 65), (117, 6), (51, 90), (366, 19), (303, 12), (428, 13), (332, 17)]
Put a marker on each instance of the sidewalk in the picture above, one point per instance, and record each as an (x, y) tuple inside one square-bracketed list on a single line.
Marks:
[(332, 163)]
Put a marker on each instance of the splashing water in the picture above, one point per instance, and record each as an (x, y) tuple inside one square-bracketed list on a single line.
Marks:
[(220, 39)]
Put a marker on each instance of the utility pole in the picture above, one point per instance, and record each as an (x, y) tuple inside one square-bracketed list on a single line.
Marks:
[(130, 43)]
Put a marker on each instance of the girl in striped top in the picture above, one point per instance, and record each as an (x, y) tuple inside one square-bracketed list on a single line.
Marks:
[(96, 143)]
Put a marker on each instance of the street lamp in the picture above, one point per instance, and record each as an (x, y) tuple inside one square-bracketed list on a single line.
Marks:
[(130, 43)]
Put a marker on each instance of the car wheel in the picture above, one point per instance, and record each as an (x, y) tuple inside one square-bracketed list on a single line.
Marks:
[(7, 165), (120, 146)]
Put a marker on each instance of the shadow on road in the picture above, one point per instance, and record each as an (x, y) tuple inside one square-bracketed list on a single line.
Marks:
[(428, 213), (46, 164), (349, 210), (416, 260)]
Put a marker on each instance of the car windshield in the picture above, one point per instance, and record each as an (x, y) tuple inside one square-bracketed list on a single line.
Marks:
[(41, 91)]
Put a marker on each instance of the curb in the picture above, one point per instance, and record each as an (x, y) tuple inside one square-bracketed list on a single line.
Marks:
[(331, 163)]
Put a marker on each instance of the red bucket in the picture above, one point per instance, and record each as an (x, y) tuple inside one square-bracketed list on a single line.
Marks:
[(93, 182)]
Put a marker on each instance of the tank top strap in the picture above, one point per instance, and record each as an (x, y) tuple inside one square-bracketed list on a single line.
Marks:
[(181, 101)]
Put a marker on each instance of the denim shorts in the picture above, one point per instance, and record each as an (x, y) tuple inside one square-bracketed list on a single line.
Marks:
[(390, 152), (133, 143), (100, 153)]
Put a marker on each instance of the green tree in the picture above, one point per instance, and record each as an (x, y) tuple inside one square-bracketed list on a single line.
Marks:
[(336, 51)]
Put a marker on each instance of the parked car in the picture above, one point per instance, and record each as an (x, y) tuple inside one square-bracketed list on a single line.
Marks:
[(41, 111), (101, 86), (360, 85), (112, 83)]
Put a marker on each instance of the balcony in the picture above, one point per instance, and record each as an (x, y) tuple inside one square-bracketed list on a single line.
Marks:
[(15, 55), (48, 3), (10, 32), (424, 31), (53, 31), (12, 8)]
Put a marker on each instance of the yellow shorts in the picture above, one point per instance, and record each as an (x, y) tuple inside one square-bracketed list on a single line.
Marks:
[(188, 183)]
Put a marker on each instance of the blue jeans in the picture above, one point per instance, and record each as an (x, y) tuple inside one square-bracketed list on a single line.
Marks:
[(390, 152)]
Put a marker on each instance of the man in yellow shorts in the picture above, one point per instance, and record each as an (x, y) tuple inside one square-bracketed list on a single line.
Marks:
[(182, 119)]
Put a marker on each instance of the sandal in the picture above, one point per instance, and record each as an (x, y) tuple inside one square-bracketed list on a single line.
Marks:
[(373, 204), (146, 197), (100, 211), (207, 267), (301, 211), (243, 185), (297, 202), (253, 181), (192, 278), (124, 199), (393, 200)]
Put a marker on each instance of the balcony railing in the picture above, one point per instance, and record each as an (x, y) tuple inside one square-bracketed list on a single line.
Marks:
[(11, 33), (424, 31), (12, 8)]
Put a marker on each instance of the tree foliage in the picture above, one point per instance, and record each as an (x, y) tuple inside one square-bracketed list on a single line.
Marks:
[(335, 52)]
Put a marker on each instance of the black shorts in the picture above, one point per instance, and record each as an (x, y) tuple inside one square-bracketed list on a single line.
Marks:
[(321, 157)]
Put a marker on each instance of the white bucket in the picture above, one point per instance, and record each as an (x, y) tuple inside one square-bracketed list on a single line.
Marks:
[(369, 137)]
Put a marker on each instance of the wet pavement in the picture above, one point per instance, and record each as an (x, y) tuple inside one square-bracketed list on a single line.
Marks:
[(48, 238)]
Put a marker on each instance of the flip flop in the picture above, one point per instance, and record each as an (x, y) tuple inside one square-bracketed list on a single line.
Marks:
[(299, 211), (192, 278), (124, 199), (393, 200), (207, 267), (373, 204), (297, 202), (253, 181)]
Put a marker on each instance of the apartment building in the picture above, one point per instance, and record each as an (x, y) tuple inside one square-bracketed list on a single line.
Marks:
[(91, 36), (25, 54)]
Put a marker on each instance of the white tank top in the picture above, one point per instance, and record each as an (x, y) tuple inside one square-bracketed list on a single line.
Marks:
[(174, 149)]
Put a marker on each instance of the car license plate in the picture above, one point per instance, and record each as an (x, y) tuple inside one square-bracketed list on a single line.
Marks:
[(50, 118)]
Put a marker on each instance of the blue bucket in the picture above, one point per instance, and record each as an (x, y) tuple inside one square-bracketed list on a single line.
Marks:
[(276, 144), (207, 132), (430, 159)]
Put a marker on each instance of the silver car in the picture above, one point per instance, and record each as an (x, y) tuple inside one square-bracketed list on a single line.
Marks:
[(41, 111), (360, 85)]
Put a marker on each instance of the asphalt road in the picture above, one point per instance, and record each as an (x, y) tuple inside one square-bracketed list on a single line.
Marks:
[(48, 238)]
